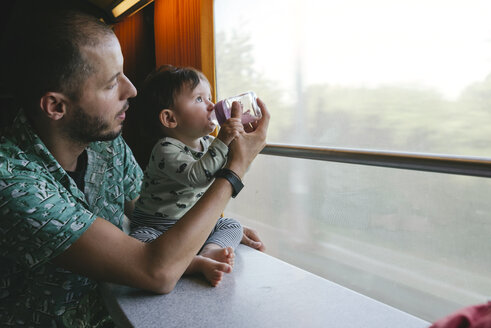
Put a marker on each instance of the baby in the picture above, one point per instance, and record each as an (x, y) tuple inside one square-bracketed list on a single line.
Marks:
[(183, 164)]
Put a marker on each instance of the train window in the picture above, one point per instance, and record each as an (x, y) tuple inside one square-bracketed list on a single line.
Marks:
[(398, 75), (417, 241), (381, 74)]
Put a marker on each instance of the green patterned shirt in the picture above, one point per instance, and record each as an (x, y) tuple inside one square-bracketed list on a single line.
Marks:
[(42, 212)]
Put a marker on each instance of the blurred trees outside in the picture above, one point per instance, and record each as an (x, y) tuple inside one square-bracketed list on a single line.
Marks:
[(388, 117)]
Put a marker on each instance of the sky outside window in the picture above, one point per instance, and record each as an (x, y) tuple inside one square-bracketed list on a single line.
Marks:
[(438, 44)]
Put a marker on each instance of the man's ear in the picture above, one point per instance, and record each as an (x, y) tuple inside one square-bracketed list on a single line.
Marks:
[(168, 118), (53, 105)]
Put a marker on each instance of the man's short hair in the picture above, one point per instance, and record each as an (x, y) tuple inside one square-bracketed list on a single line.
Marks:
[(52, 57)]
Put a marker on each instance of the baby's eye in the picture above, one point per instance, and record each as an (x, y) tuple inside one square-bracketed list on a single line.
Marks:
[(199, 99)]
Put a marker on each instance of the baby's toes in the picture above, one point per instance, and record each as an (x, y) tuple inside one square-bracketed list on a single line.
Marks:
[(217, 277)]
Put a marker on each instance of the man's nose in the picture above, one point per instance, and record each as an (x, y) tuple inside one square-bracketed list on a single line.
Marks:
[(129, 90)]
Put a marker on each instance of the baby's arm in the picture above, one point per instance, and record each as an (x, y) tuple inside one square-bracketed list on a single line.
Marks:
[(229, 130), (177, 162)]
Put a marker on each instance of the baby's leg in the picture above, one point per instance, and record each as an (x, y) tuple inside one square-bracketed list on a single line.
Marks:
[(211, 269), (147, 227), (224, 238), (218, 253), (145, 234)]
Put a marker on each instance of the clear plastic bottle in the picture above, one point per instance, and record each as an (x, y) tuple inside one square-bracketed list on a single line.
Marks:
[(250, 110)]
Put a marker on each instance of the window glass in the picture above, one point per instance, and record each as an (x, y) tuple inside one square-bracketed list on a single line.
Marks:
[(406, 75), (417, 241), (400, 75)]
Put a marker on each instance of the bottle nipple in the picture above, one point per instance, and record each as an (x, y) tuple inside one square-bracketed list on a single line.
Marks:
[(213, 117)]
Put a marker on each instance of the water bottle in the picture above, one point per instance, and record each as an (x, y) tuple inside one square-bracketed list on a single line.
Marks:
[(250, 110)]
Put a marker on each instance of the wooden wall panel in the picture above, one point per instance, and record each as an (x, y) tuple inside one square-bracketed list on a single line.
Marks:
[(181, 34), (184, 35), (135, 34)]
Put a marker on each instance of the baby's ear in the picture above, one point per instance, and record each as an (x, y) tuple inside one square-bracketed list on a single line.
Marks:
[(167, 118)]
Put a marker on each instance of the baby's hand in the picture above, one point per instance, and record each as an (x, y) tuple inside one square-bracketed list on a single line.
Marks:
[(230, 129)]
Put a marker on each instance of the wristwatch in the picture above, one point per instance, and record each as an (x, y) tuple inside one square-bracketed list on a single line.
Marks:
[(231, 177)]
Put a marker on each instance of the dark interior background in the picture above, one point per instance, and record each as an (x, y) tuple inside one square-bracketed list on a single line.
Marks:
[(138, 51)]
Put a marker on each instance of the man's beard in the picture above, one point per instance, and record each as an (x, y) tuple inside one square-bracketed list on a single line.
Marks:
[(85, 129)]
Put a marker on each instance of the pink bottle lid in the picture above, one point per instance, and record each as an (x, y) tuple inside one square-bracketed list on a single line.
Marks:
[(251, 111), (222, 112)]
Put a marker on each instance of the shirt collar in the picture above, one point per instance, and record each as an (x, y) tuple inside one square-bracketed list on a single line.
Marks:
[(30, 142)]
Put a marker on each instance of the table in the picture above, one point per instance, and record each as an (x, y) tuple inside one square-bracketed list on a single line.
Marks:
[(262, 291)]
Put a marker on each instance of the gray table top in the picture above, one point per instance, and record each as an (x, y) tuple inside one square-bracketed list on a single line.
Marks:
[(262, 291)]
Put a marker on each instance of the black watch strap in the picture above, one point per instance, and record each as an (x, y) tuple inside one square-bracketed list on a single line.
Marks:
[(231, 177)]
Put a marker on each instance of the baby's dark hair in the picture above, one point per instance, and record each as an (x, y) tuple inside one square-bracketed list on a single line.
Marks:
[(162, 86), (160, 90)]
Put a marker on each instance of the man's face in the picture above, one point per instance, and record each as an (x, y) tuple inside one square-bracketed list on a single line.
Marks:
[(99, 113)]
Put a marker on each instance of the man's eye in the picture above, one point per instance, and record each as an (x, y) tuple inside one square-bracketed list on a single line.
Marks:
[(112, 86)]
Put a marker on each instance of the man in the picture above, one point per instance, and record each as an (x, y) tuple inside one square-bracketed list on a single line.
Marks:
[(57, 241)]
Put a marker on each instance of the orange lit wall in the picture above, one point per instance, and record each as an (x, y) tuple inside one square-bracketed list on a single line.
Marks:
[(136, 39), (181, 34), (135, 34), (184, 35)]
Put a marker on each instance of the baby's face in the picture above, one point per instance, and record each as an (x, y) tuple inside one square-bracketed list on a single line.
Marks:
[(193, 110)]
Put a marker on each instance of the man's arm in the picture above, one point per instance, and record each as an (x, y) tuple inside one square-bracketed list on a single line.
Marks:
[(105, 253)]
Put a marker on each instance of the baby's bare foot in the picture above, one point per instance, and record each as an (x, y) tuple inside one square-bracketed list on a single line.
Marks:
[(212, 270), (224, 255)]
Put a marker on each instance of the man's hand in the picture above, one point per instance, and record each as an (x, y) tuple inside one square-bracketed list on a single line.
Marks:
[(251, 239), (245, 147)]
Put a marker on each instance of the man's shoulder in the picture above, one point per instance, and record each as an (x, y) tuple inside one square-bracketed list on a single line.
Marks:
[(20, 170), (8, 146), (14, 158)]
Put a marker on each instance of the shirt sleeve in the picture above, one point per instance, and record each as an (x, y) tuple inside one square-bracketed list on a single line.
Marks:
[(179, 164), (39, 219)]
